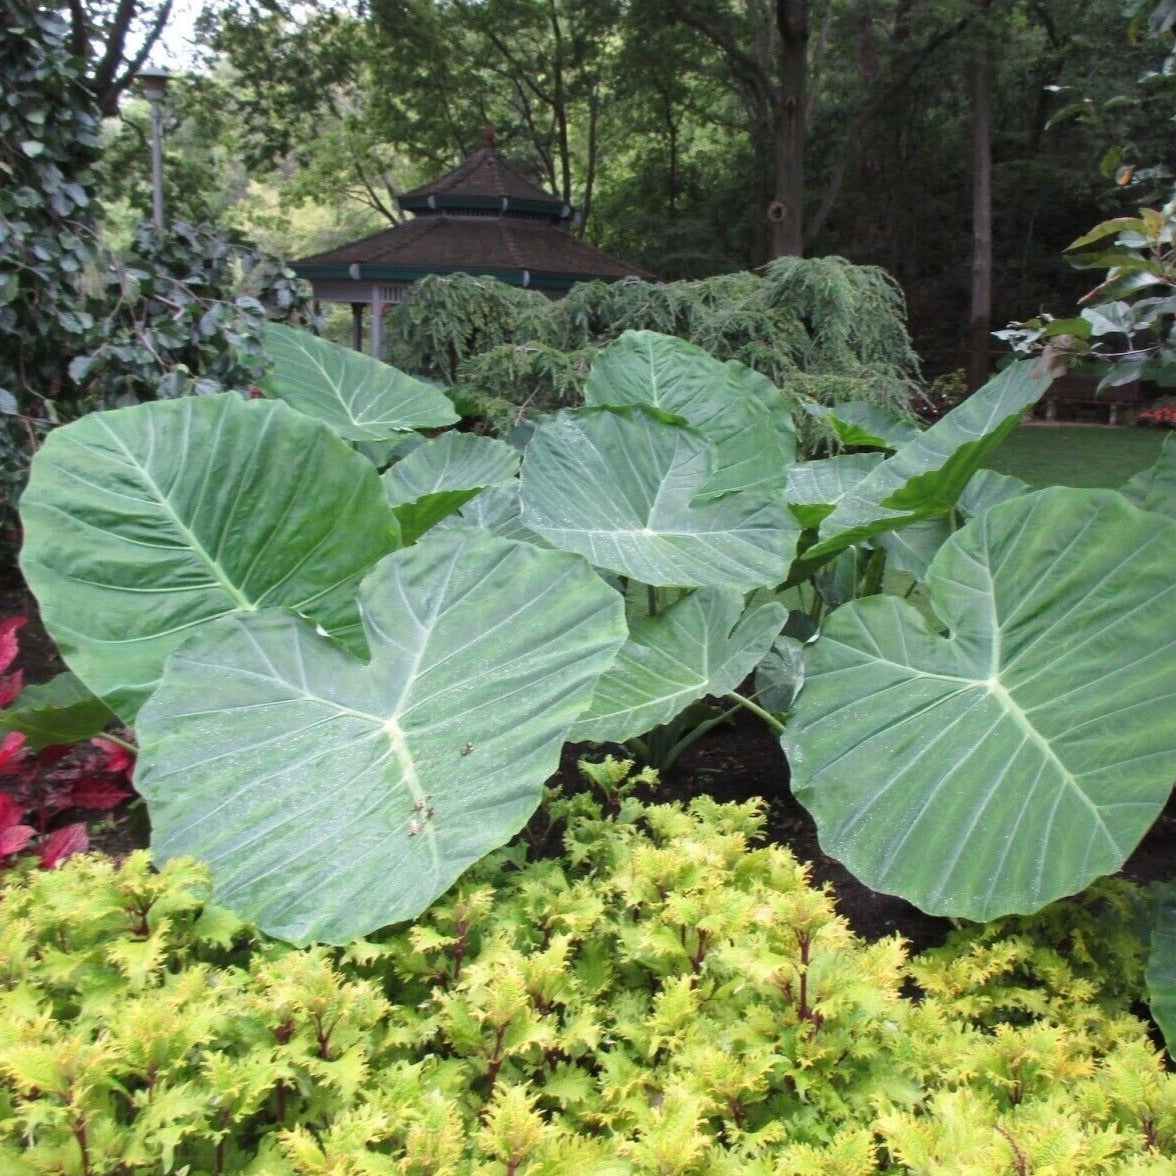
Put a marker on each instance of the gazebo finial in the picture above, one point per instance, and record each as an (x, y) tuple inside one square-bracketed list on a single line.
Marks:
[(488, 137)]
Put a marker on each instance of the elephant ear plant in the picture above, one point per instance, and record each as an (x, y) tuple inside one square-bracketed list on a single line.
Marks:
[(348, 687), (337, 723)]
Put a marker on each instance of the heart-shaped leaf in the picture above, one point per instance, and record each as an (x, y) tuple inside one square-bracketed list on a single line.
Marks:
[(927, 475), (355, 395), (143, 523), (331, 797), (700, 645), (442, 475), (62, 710), (814, 488), (859, 423), (1021, 756), (621, 487), (911, 548), (497, 511), (1155, 488), (728, 403), (1161, 962)]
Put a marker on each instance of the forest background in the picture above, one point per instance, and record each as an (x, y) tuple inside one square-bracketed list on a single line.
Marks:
[(959, 144)]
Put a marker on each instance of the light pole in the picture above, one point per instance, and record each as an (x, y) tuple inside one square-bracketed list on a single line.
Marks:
[(154, 81)]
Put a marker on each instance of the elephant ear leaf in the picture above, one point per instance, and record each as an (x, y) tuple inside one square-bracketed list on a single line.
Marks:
[(355, 395), (702, 644), (738, 410), (927, 475), (143, 523), (1161, 962), (334, 797), (1025, 753), (621, 489), (1155, 488), (442, 475)]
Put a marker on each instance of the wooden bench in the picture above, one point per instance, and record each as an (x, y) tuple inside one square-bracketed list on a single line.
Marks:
[(1072, 394)]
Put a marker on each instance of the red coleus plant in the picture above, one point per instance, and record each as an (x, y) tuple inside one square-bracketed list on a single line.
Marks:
[(38, 787), (1162, 415)]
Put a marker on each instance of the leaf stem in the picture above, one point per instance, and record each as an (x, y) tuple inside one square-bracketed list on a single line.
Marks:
[(756, 709), (118, 741)]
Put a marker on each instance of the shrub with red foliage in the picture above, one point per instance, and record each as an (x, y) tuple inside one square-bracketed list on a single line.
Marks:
[(39, 788)]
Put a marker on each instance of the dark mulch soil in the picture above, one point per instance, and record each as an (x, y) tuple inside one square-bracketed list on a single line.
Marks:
[(732, 763)]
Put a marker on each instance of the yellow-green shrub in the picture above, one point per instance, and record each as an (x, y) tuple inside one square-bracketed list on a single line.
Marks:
[(664, 997)]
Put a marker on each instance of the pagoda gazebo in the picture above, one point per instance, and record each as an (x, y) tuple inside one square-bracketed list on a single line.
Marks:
[(482, 218)]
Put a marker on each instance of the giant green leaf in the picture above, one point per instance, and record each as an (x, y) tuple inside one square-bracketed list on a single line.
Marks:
[(330, 797), (911, 548), (61, 710), (728, 403), (702, 644), (814, 488), (621, 488), (355, 395), (1161, 962), (858, 423), (442, 475), (143, 523), (497, 511), (927, 475), (1026, 752), (1155, 488)]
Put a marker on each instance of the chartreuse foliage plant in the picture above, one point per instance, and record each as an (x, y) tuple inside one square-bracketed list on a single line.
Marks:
[(667, 996)]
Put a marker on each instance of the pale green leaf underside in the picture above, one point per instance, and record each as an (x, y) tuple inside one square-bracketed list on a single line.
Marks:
[(700, 645), (729, 403), (911, 548), (497, 511), (1161, 962), (814, 488), (1155, 489), (926, 476), (453, 461), (331, 798), (143, 523), (62, 710), (780, 675), (1014, 761), (859, 423), (621, 490), (355, 395), (442, 475)]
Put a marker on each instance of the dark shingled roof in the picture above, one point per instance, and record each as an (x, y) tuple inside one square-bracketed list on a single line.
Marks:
[(475, 245), (482, 174), (481, 218)]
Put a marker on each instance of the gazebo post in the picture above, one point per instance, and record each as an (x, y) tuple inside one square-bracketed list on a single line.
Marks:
[(377, 322), (357, 326)]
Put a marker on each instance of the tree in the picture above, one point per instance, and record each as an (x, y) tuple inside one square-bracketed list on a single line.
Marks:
[(113, 39)]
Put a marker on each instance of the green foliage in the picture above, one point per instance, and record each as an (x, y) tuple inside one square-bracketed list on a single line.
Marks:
[(1128, 328), (183, 313), (48, 143), (665, 996), (820, 329)]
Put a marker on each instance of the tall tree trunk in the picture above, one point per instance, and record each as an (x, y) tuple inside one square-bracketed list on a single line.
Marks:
[(786, 212), (981, 86)]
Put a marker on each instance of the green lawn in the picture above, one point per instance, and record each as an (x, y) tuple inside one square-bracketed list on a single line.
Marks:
[(1077, 455)]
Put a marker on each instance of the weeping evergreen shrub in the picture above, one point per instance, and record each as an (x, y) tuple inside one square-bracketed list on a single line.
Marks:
[(819, 328)]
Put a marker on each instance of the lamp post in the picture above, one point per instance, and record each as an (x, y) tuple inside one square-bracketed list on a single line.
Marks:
[(154, 82)]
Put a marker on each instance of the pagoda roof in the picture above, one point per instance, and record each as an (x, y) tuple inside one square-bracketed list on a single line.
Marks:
[(484, 180), (524, 252)]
